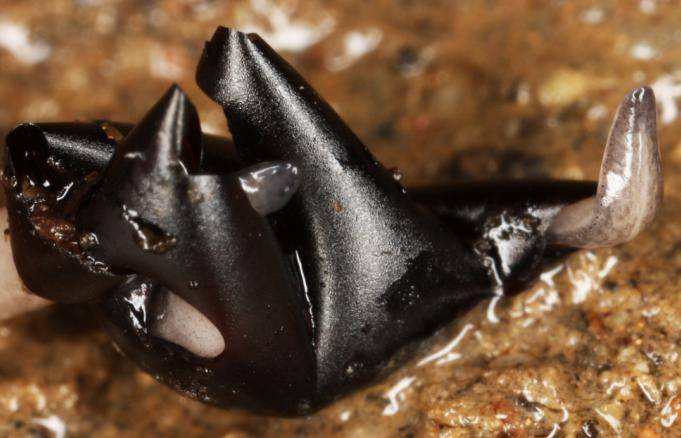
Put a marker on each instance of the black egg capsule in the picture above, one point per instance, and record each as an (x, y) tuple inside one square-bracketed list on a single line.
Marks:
[(284, 270)]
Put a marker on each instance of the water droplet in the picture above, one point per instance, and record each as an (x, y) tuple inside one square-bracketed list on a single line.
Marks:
[(396, 173)]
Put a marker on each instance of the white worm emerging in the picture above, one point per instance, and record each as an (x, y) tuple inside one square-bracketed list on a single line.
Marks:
[(630, 185), (182, 324), (269, 186)]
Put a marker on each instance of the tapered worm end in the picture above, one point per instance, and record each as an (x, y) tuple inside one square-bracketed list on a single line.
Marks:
[(630, 185), (169, 134), (182, 324), (269, 186)]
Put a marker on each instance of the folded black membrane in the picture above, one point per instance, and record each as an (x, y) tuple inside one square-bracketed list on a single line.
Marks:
[(282, 269)]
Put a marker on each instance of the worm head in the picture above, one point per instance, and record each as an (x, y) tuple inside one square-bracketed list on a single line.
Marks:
[(630, 184)]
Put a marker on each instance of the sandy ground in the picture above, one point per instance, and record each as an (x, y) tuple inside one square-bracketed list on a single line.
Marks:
[(449, 91)]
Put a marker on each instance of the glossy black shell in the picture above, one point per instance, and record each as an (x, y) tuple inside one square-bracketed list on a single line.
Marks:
[(312, 301)]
